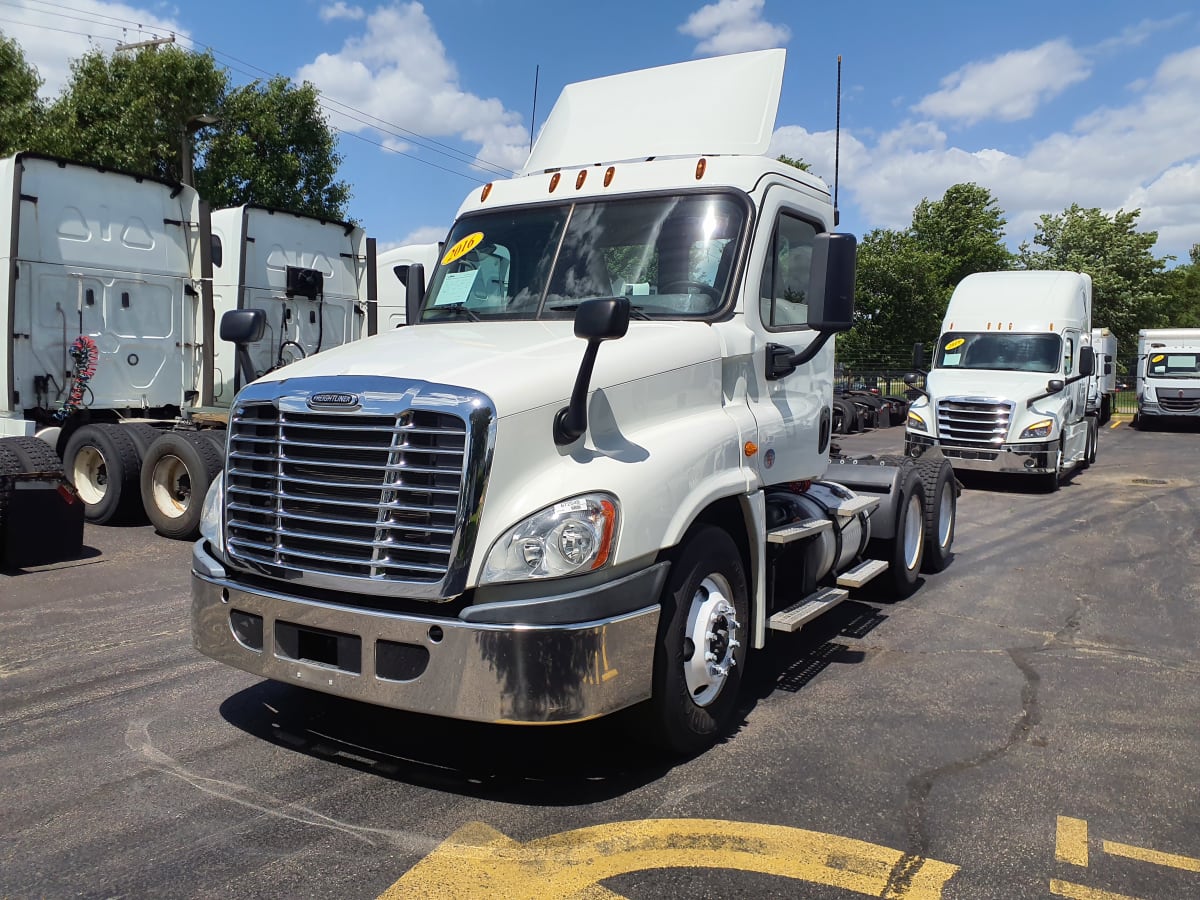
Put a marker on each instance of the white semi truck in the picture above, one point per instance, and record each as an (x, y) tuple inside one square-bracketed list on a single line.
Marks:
[(112, 363), (587, 474), (393, 267), (1102, 387), (1168, 375), (1007, 391)]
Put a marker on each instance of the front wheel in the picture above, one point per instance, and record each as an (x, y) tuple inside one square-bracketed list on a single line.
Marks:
[(1053, 481), (703, 634)]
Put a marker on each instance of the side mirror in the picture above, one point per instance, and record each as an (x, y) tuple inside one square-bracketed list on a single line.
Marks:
[(414, 293), (1054, 385), (918, 355), (596, 321), (1087, 361), (243, 326), (831, 283), (911, 378)]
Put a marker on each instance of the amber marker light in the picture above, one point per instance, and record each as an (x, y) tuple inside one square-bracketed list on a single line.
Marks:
[(701, 165), (750, 449), (580, 178), (608, 176), (487, 189), (554, 179), (606, 538)]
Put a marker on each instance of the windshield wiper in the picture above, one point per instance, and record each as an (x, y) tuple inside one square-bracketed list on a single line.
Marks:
[(460, 309), (634, 311)]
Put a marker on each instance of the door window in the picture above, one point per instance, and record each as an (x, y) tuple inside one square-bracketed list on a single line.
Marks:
[(783, 295)]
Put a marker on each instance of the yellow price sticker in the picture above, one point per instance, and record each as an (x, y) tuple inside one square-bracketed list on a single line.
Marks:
[(462, 248), (1159, 358), (956, 343)]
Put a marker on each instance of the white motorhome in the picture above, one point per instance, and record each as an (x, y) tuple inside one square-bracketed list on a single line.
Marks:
[(1168, 374), (308, 275), (1102, 386), (393, 266), (112, 360), (588, 473), (1007, 390)]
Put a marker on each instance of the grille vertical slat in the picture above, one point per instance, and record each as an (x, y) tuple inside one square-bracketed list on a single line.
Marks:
[(974, 422), (367, 496)]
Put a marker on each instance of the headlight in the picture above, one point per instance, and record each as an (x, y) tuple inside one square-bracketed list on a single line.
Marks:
[(210, 515), (573, 536), (915, 422), (1148, 393), (1039, 429)]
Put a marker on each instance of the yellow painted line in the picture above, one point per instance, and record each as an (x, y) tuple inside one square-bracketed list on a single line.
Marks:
[(1081, 892), (1070, 841), (1114, 424), (479, 862), (1174, 860)]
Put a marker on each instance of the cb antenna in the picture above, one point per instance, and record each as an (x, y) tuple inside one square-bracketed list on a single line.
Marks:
[(533, 115), (837, 144)]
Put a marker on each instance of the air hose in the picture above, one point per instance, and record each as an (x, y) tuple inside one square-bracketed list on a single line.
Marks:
[(85, 353)]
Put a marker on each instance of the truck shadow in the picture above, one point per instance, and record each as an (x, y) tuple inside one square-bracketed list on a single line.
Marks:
[(1011, 482), (563, 765)]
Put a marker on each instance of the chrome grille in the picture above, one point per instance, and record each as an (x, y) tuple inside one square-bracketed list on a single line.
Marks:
[(344, 494), (973, 421), (1173, 404)]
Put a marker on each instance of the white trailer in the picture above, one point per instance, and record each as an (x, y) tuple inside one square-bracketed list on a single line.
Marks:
[(393, 267), (455, 529), (1007, 391), (111, 363), (1168, 375), (1102, 386)]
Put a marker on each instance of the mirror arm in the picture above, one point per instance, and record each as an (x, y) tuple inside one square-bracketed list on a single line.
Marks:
[(781, 362), (571, 421)]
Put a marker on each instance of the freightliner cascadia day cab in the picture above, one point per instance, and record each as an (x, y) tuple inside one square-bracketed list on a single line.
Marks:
[(1168, 375), (1102, 386), (585, 476), (112, 364), (1007, 391)]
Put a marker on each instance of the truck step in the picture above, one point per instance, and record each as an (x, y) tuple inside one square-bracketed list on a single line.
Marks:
[(807, 609), (862, 573), (857, 504), (785, 534)]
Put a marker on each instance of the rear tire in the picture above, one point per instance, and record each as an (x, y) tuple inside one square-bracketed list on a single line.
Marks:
[(102, 462), (176, 474), (703, 635), (905, 552), (941, 512), (9, 465), (34, 454)]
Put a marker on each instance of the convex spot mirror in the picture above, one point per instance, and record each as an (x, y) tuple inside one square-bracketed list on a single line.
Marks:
[(831, 282), (1055, 385), (243, 326)]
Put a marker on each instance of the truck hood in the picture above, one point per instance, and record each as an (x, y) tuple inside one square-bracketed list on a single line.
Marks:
[(1015, 386), (519, 365)]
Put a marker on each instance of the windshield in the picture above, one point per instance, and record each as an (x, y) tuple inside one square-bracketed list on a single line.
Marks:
[(1173, 365), (1009, 352), (672, 256)]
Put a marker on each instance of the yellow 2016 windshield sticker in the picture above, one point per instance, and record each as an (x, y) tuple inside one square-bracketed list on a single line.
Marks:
[(1159, 358), (956, 343), (462, 248)]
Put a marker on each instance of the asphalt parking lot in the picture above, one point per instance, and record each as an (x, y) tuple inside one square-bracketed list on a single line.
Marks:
[(1027, 724)]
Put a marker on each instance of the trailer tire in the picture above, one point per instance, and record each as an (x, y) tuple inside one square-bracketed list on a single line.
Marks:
[(102, 462), (34, 454), (905, 552), (176, 474), (851, 421), (705, 609), (941, 512)]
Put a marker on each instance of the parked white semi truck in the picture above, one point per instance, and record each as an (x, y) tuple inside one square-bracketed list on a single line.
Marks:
[(111, 361), (1168, 375), (1007, 391), (1102, 386), (393, 267), (588, 474)]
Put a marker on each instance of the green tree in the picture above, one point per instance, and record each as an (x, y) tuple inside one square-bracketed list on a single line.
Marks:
[(128, 111), (966, 229), (20, 109), (272, 147), (791, 161), (1128, 284), (1181, 286)]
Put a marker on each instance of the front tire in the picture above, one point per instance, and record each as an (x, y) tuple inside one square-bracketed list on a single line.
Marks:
[(703, 633)]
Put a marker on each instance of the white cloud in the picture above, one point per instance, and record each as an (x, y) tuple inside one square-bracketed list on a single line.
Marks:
[(1009, 87), (733, 26), (1145, 154), (341, 10), (397, 71), (1136, 35), (51, 38)]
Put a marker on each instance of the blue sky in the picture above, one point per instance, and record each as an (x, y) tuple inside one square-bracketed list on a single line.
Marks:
[(1045, 104)]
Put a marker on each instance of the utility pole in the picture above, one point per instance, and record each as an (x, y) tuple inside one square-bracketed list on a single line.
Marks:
[(154, 42)]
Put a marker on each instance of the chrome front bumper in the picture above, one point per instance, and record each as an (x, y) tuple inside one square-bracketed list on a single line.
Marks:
[(523, 673), (1027, 459)]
